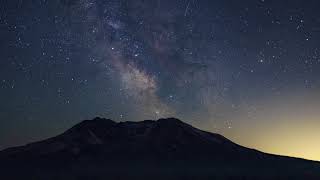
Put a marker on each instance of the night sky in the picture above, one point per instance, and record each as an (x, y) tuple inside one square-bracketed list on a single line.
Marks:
[(249, 70)]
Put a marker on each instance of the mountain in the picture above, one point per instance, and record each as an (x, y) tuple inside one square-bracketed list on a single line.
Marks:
[(162, 149)]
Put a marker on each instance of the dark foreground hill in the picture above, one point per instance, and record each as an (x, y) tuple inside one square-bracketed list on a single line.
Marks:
[(164, 149)]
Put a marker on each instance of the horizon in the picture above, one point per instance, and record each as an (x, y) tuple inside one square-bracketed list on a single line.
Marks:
[(155, 120)]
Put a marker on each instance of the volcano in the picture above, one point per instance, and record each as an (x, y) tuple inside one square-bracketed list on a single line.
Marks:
[(161, 149)]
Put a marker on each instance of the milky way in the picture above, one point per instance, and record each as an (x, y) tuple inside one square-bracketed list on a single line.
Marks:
[(242, 69)]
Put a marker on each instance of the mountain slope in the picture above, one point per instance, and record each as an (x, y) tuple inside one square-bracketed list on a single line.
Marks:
[(166, 148)]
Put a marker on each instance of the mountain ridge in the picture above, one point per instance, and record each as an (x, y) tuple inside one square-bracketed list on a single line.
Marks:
[(158, 145)]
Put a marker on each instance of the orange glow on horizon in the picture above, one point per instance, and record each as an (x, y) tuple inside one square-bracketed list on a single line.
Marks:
[(299, 140)]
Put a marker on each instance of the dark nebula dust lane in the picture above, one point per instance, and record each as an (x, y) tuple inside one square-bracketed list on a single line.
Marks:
[(248, 70)]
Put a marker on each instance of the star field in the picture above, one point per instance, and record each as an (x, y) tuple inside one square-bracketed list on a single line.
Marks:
[(242, 69)]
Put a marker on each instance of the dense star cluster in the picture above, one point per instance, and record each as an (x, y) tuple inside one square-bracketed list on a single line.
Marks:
[(240, 68)]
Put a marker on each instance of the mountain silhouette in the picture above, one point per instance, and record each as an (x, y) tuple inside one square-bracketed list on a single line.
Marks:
[(162, 149)]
